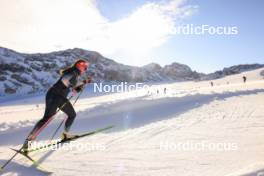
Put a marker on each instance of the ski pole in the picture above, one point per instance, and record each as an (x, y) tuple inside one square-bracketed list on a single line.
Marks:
[(2, 167), (64, 118)]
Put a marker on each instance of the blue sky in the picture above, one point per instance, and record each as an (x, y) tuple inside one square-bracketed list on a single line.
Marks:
[(114, 10), (137, 32), (207, 53)]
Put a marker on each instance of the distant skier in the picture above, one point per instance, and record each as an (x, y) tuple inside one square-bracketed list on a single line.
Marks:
[(212, 83), (165, 90), (56, 97), (244, 79)]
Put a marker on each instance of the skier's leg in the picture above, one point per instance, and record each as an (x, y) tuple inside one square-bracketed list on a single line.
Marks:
[(69, 110), (51, 106), (42, 123)]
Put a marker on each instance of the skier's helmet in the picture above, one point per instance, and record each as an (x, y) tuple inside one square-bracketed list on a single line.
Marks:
[(81, 65)]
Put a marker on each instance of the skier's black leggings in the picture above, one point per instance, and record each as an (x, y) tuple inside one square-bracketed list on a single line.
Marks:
[(53, 102)]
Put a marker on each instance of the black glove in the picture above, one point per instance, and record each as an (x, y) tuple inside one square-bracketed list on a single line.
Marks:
[(87, 80), (79, 88)]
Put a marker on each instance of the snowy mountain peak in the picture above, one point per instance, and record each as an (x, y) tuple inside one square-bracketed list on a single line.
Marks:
[(236, 69), (153, 66), (28, 73)]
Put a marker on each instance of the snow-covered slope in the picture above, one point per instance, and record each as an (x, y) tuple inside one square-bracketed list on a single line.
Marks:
[(192, 129)]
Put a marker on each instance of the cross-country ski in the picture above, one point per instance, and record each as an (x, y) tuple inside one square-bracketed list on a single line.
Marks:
[(61, 141), (34, 162)]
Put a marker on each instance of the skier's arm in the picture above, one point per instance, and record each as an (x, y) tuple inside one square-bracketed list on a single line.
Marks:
[(80, 85)]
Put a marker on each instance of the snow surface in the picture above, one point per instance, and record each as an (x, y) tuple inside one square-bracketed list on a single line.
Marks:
[(189, 112)]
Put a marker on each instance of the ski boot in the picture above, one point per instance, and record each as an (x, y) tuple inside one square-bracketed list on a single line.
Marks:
[(25, 147), (66, 136)]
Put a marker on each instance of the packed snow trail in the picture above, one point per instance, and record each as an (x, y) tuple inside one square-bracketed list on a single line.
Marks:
[(150, 126)]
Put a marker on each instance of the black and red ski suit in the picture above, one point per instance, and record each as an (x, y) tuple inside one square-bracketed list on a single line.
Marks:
[(56, 97)]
